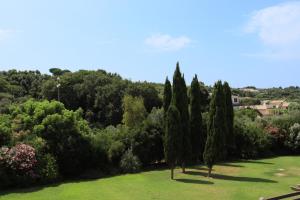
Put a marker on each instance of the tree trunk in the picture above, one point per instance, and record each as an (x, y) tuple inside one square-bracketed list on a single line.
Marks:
[(172, 173), (209, 172), (183, 167)]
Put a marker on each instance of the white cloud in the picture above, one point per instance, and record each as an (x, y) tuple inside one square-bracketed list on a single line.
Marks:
[(278, 28), (166, 42)]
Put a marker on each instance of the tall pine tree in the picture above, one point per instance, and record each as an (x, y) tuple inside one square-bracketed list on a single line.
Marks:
[(180, 100), (230, 143), (167, 95), (197, 137), (214, 148), (173, 142)]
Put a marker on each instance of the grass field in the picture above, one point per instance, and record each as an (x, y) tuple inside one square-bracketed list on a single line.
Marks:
[(238, 180)]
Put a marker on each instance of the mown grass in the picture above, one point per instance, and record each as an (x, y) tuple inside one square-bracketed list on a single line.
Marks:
[(237, 180)]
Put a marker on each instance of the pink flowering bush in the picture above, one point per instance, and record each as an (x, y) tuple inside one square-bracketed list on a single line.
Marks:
[(21, 158), (17, 165)]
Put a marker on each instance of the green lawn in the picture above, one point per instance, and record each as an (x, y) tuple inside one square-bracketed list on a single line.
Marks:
[(238, 180)]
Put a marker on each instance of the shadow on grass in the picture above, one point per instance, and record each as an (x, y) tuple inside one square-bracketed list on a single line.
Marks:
[(193, 181), (232, 178), (27, 190)]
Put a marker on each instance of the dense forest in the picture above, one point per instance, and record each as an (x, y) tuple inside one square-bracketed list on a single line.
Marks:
[(89, 124)]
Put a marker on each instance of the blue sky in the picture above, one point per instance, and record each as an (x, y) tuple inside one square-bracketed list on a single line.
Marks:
[(244, 42)]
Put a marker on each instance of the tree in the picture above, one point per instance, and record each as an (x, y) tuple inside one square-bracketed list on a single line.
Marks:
[(173, 142), (204, 97), (197, 138), (23, 83), (4, 85), (230, 144), (147, 91), (167, 95), (180, 100), (57, 71), (134, 111), (148, 138), (64, 131), (293, 139), (214, 147)]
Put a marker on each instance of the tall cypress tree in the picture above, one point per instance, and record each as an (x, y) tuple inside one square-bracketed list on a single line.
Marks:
[(180, 100), (173, 144), (167, 95), (197, 137), (230, 143), (214, 147)]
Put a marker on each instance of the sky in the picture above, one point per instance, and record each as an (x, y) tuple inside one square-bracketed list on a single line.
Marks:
[(246, 43)]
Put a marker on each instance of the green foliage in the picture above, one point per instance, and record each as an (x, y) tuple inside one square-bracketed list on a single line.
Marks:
[(197, 137), (99, 94), (180, 101), (65, 132), (214, 148), (285, 121), (109, 145), (204, 97), (246, 113), (116, 151), (5, 130), (130, 163), (251, 140), (4, 85), (57, 71), (250, 101), (293, 140), (173, 137), (229, 117), (134, 111), (66, 145), (147, 91), (147, 140), (167, 95), (23, 83), (47, 168)]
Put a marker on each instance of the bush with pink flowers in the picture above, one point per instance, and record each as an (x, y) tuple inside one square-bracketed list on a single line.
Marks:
[(17, 165), (21, 158)]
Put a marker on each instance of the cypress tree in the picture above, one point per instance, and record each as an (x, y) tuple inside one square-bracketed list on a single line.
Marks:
[(180, 100), (197, 138), (173, 136), (214, 147), (230, 143), (167, 95)]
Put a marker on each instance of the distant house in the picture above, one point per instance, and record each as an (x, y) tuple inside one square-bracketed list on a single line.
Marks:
[(236, 101), (269, 107), (280, 104)]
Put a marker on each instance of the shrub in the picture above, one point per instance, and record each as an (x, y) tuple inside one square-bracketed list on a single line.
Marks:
[(293, 140), (21, 158), (5, 130), (47, 168), (116, 151), (130, 163), (251, 140), (17, 166), (148, 139)]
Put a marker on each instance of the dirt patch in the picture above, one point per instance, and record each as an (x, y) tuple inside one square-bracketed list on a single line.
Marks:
[(280, 174)]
